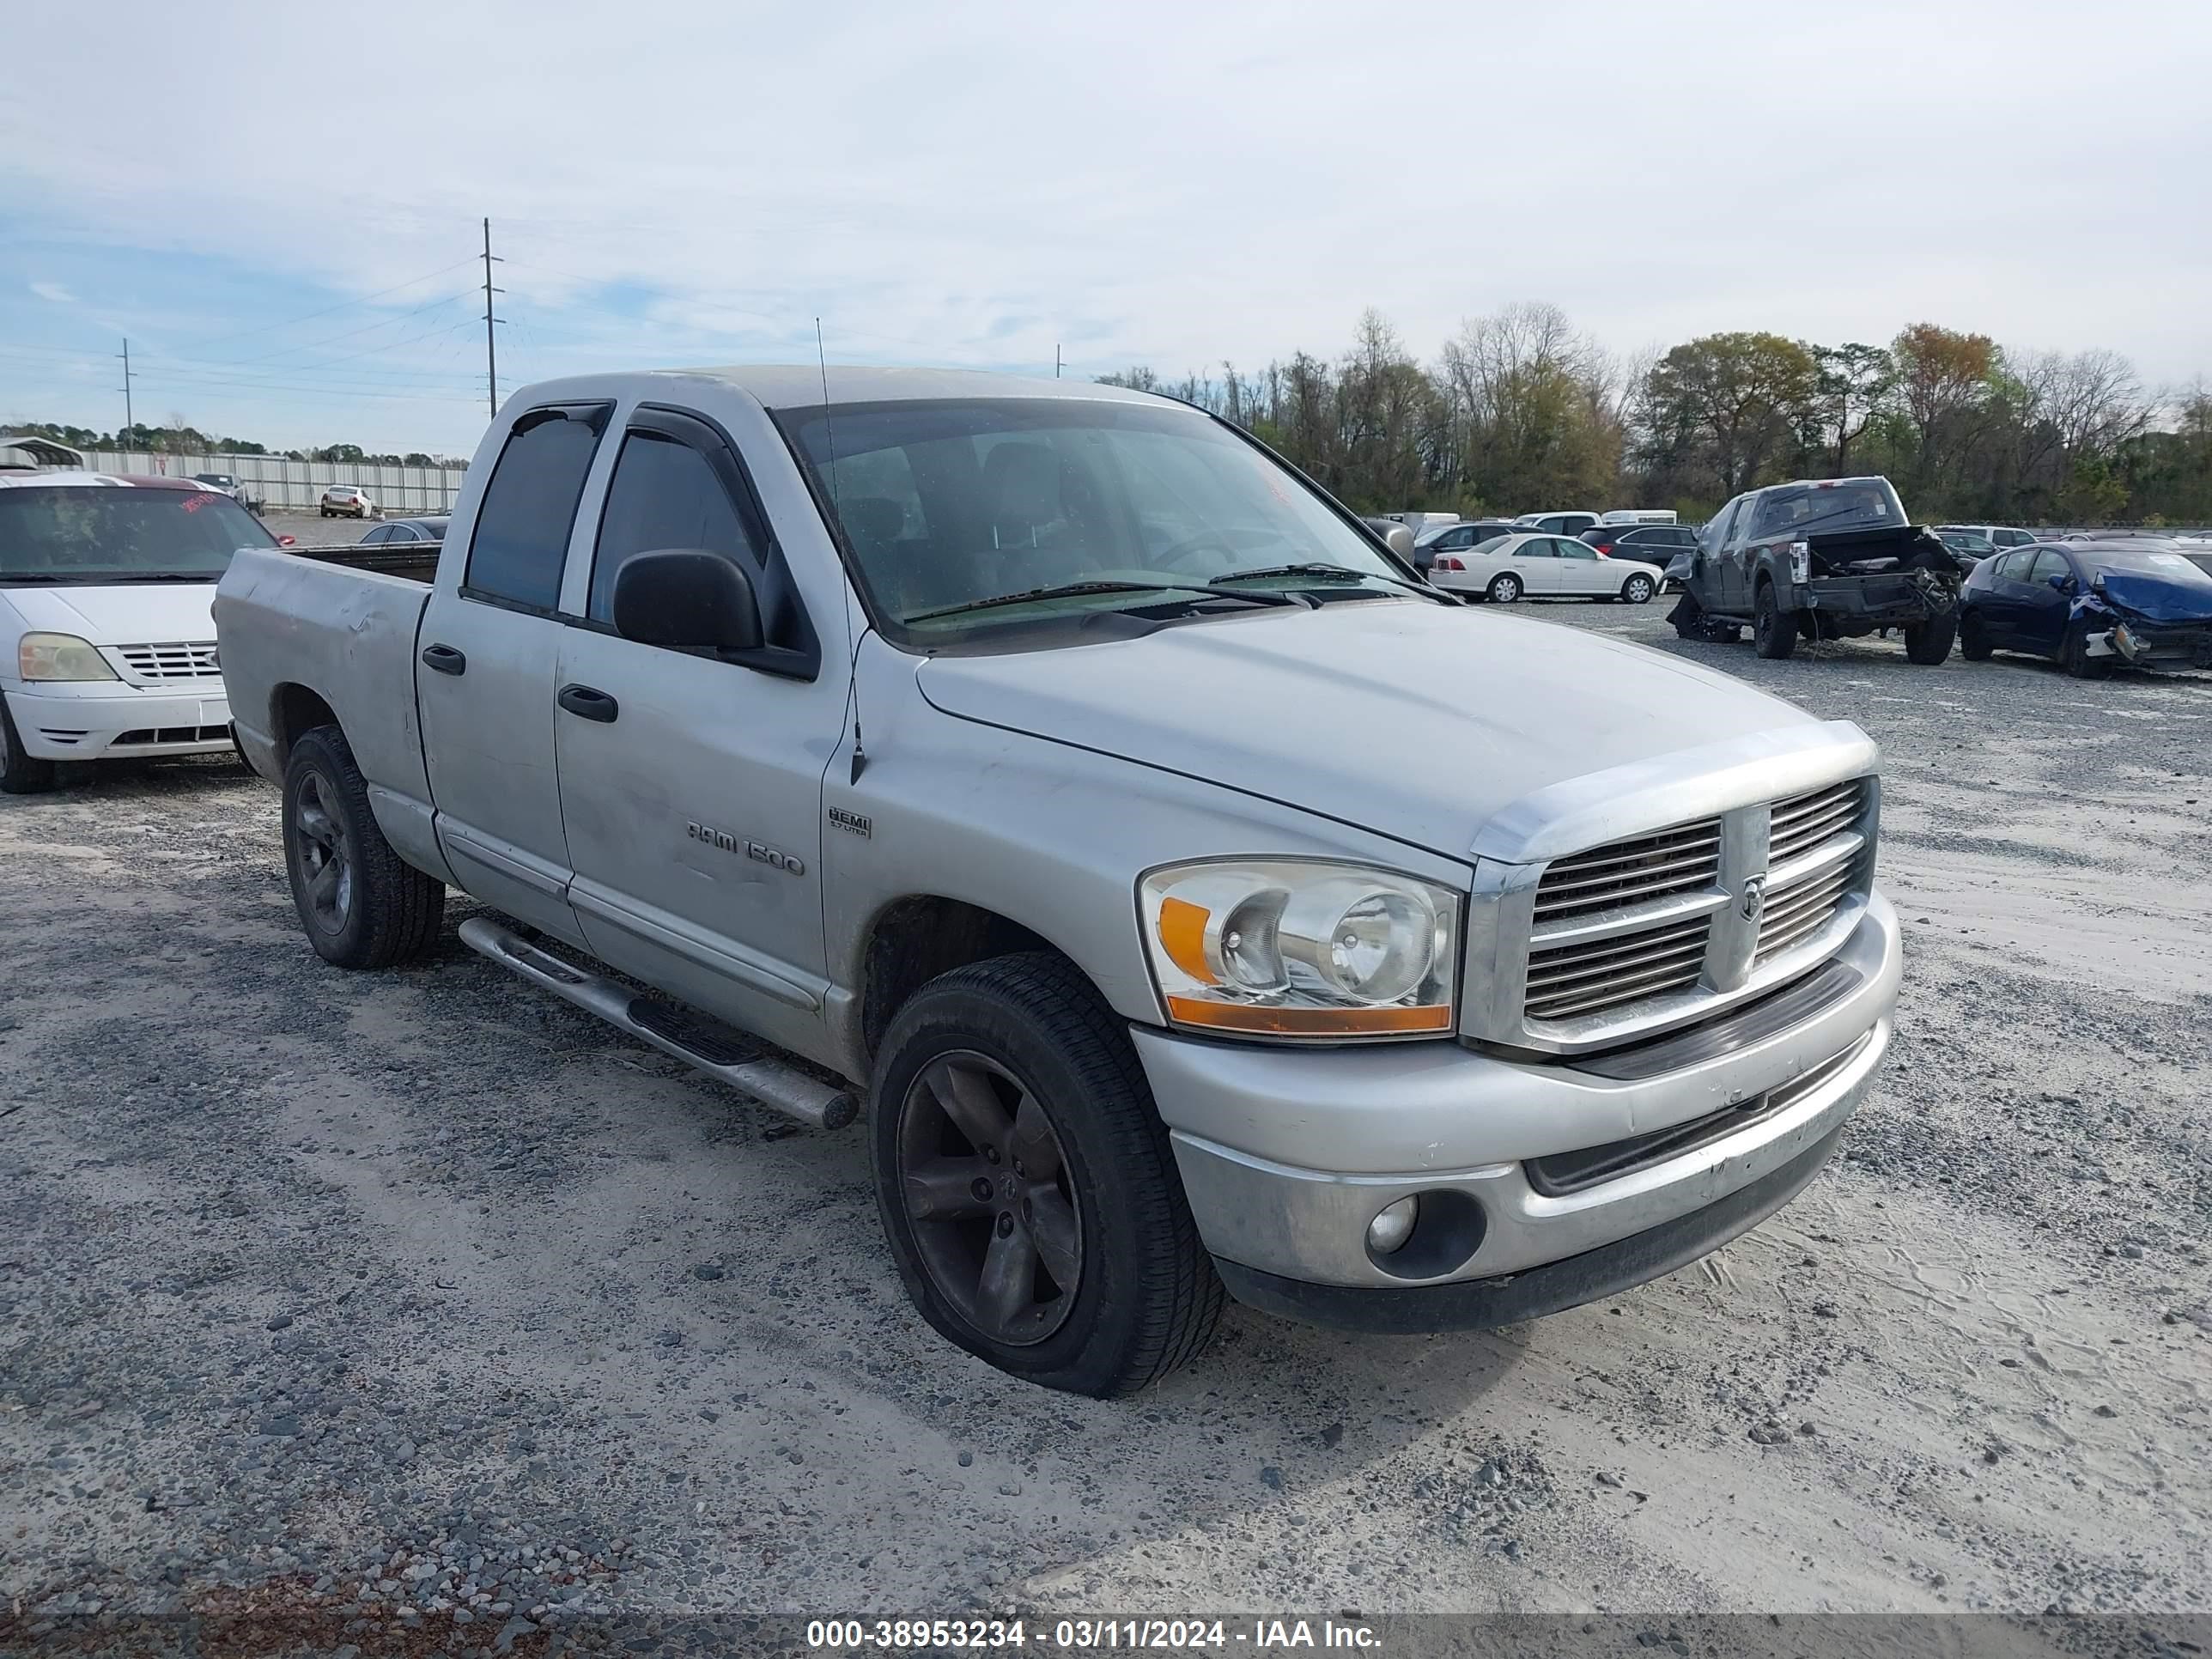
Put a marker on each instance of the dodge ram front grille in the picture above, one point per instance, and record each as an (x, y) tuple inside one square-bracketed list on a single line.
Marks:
[(194, 662), (1639, 930)]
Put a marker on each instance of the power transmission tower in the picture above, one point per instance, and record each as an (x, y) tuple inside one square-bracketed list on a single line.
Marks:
[(129, 420), (491, 349)]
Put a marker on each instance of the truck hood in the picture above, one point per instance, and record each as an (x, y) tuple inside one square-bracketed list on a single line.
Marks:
[(2176, 599), (133, 614), (1417, 721)]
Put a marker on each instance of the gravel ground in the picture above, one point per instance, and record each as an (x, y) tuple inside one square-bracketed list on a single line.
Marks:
[(419, 1302)]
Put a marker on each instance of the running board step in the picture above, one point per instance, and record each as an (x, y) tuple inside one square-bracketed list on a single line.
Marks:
[(722, 1051)]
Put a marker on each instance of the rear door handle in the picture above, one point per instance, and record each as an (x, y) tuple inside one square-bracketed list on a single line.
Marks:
[(444, 659), (585, 703)]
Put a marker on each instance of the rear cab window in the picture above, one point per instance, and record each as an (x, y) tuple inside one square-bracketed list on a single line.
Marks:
[(521, 541)]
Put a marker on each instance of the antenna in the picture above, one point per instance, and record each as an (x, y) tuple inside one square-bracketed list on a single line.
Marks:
[(837, 506)]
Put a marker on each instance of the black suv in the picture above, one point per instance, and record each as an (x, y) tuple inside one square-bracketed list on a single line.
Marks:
[(1652, 544)]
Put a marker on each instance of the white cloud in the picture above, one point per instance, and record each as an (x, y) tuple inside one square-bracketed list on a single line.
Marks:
[(54, 291)]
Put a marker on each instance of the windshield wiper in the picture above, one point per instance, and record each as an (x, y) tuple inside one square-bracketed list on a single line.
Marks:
[(1058, 591), (1315, 568)]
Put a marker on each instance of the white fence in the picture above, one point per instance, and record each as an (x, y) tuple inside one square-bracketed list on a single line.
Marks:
[(271, 480)]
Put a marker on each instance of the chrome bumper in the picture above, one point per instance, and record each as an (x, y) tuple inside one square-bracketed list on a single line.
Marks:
[(1287, 1155)]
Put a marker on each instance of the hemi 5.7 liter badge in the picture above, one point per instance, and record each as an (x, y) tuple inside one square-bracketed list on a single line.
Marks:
[(851, 823)]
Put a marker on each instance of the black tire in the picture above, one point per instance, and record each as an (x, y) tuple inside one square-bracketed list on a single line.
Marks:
[(1773, 631), (1974, 637), (327, 513), (1503, 588), (2073, 654), (20, 772), (1929, 643), (1637, 590), (1688, 618), (376, 910), (1030, 1033)]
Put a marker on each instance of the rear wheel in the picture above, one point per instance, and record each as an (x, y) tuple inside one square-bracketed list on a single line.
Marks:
[(1637, 589), (2073, 654), (1974, 637), (1503, 589), (360, 904), (1026, 1185), (22, 773), (1773, 631), (1929, 642)]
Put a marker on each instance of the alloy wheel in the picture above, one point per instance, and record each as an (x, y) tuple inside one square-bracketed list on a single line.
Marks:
[(318, 843), (987, 1189)]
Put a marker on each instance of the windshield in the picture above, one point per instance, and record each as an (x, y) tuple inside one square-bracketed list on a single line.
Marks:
[(107, 533), (2146, 562), (1079, 505)]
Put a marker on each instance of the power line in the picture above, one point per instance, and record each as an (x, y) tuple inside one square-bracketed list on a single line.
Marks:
[(262, 328)]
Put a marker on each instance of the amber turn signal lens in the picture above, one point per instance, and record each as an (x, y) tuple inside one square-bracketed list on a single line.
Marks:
[(1265, 1020)]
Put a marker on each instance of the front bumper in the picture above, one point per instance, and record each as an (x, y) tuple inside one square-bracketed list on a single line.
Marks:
[(2155, 645), (111, 720), (1286, 1155)]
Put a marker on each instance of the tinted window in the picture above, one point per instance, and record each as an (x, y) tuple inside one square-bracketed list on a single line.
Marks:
[(1797, 509), (521, 537), (1566, 550), (1537, 547), (2048, 563), (665, 495), (383, 533), (2013, 568)]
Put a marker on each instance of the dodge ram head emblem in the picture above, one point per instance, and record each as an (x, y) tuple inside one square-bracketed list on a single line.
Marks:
[(1752, 899)]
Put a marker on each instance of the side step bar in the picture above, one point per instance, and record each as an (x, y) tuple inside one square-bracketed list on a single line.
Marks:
[(718, 1050)]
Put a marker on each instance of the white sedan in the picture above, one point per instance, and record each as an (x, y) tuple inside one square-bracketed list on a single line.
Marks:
[(349, 501), (1544, 568)]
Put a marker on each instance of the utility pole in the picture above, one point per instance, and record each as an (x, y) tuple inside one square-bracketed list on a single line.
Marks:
[(1056, 360), (491, 349), (129, 420)]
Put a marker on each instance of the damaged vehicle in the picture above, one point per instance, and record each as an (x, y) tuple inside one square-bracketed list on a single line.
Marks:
[(2091, 606), (1821, 559)]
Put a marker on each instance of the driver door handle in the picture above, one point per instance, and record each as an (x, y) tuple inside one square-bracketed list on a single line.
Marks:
[(586, 703)]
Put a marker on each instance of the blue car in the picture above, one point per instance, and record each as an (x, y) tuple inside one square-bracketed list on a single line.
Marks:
[(2091, 606)]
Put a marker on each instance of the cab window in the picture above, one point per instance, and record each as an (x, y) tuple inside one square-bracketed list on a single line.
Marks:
[(521, 537)]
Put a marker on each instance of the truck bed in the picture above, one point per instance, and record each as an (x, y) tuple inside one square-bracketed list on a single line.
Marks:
[(414, 561), (339, 623)]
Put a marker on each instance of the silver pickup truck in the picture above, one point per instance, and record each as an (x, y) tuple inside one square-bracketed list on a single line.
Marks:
[(1193, 899)]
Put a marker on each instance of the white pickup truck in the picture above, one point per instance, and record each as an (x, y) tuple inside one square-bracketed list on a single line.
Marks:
[(1193, 899)]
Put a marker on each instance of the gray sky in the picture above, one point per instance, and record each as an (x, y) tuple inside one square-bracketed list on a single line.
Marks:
[(975, 183)]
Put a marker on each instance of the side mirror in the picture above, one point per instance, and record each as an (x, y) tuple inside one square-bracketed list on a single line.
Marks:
[(2061, 582), (1400, 540), (686, 600)]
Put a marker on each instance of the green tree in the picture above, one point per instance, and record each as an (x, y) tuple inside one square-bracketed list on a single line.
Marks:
[(1729, 406)]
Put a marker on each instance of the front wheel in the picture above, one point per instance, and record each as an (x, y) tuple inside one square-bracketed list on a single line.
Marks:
[(1026, 1185), (1929, 642), (22, 773), (360, 904), (1637, 590), (1773, 631), (1503, 590), (2073, 654)]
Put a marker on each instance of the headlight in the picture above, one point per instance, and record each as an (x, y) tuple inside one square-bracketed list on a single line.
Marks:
[(1283, 948), (59, 657)]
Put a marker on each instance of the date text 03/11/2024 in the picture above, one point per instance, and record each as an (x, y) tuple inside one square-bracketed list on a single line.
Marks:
[(895, 1635)]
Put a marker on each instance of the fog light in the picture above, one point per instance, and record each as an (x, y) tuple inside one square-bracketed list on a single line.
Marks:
[(1393, 1226)]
